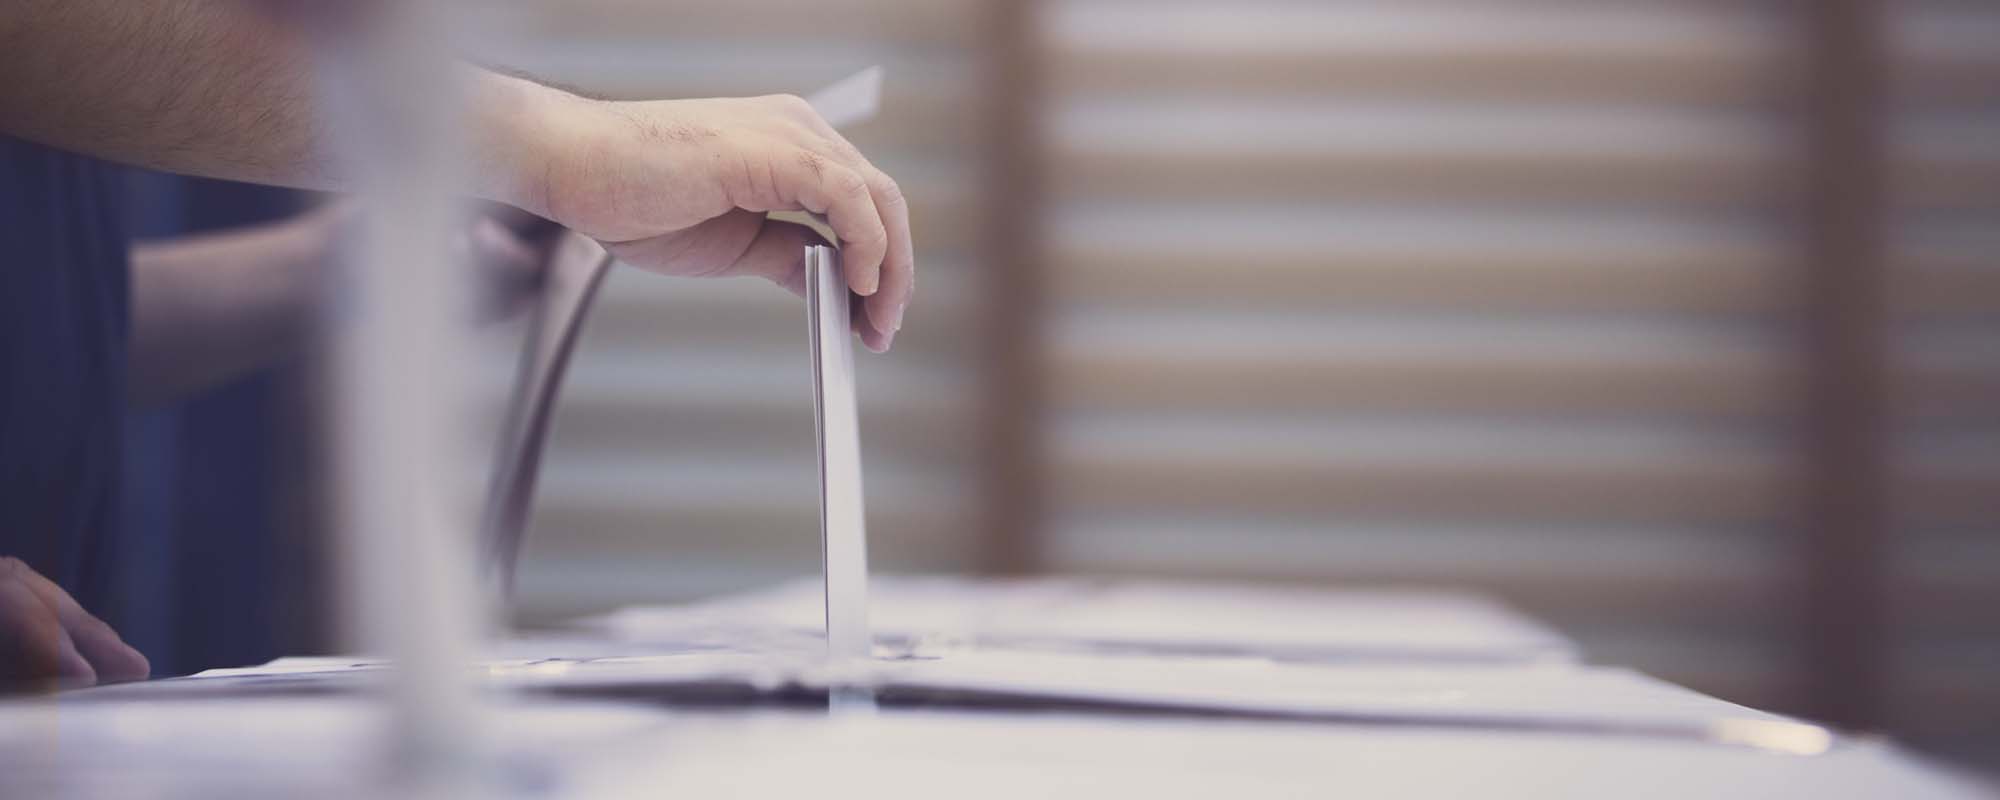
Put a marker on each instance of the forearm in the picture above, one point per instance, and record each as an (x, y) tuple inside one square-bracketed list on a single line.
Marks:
[(209, 308), (202, 87), (212, 88)]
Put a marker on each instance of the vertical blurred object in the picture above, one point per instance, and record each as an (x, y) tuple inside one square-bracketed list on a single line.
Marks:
[(406, 515), (1942, 251)]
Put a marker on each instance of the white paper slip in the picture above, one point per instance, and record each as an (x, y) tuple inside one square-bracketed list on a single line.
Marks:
[(850, 100), (843, 531)]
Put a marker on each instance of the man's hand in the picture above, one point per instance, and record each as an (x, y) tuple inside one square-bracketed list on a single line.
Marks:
[(46, 639), (679, 186), (683, 187)]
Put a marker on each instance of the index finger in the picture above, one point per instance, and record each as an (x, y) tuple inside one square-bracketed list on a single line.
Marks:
[(823, 185), (33, 646), (109, 655), (898, 270)]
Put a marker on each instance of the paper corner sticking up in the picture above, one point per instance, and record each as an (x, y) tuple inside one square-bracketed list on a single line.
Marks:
[(851, 100)]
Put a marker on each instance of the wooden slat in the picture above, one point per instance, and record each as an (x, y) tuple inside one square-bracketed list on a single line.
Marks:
[(1438, 276), (605, 424), (1701, 384), (1935, 282), (760, 23), (1193, 147), (1188, 360), (1645, 53), (1294, 472), (1703, 597), (1945, 53), (733, 501), (1948, 493), (1210, 242), (1096, 171), (897, 534), (1949, 181), (1091, 170)]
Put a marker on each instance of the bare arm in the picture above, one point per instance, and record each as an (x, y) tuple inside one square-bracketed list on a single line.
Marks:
[(209, 87), (193, 86), (209, 308)]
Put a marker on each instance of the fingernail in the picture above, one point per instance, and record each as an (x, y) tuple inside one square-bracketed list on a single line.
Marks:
[(896, 317)]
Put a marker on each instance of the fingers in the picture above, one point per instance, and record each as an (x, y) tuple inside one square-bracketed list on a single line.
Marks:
[(897, 274), (778, 255), (109, 655), (898, 270), (899, 267), (34, 648), (825, 186), (872, 334)]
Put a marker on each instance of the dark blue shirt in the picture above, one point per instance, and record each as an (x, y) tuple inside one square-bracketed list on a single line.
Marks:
[(63, 274)]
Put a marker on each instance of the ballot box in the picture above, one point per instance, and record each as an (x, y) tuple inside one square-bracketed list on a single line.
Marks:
[(1054, 687)]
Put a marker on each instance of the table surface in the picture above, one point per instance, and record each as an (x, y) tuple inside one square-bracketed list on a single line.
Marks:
[(1040, 688)]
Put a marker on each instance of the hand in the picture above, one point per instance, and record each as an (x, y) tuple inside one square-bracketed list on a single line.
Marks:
[(684, 187), (47, 639)]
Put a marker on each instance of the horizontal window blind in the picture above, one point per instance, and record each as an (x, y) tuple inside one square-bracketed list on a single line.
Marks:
[(1495, 295)]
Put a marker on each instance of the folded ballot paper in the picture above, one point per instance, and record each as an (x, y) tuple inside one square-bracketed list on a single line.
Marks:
[(842, 523)]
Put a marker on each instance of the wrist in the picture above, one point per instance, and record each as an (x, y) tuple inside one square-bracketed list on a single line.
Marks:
[(525, 131)]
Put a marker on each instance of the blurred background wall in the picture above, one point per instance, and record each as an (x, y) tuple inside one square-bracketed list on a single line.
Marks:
[(1614, 310)]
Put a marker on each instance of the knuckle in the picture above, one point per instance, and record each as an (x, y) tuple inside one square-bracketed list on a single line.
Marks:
[(813, 162), (11, 567), (850, 185), (845, 151), (791, 103), (889, 193)]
